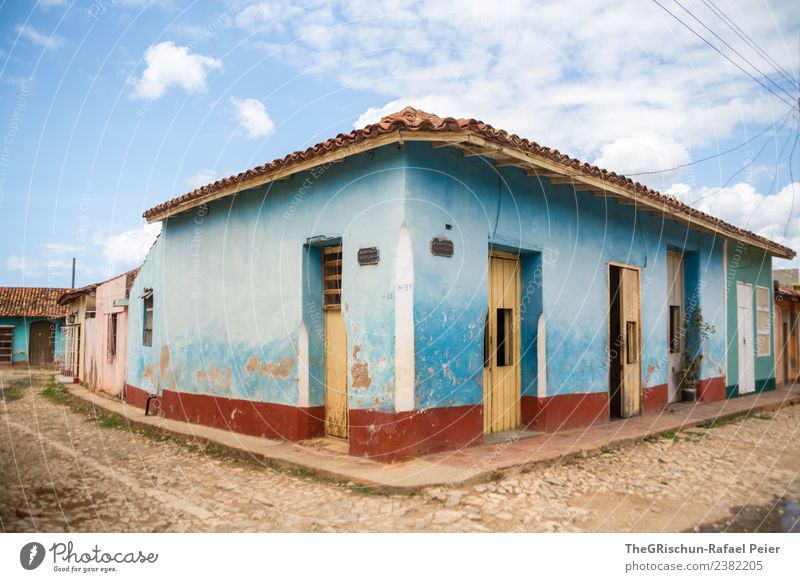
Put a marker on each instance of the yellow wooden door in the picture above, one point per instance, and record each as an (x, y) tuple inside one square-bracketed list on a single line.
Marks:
[(630, 326), (336, 404), (501, 378)]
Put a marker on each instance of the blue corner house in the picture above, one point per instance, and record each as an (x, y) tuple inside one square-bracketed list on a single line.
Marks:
[(423, 282)]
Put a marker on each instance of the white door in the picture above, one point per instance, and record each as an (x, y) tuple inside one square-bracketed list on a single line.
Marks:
[(675, 345), (744, 327)]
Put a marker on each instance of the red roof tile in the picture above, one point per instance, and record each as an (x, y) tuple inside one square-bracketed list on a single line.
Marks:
[(68, 295), (31, 302), (411, 120)]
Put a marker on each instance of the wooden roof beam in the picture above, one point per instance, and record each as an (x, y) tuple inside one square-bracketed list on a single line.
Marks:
[(565, 180), (481, 152), (542, 174)]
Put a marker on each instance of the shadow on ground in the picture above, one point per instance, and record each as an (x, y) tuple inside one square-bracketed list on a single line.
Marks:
[(780, 516)]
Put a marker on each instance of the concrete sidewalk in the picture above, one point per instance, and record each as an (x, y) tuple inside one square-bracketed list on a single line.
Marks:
[(474, 464)]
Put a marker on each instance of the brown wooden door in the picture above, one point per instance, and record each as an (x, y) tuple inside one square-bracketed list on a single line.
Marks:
[(41, 344), (336, 401), (501, 377), (630, 328)]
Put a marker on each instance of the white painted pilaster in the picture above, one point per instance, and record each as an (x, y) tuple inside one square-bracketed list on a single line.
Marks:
[(302, 367), (403, 322)]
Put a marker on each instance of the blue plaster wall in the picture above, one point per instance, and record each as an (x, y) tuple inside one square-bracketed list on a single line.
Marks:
[(235, 283), (576, 235), (21, 337), (231, 291)]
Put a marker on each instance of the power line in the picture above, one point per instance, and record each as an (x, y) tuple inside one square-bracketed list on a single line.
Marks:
[(747, 39), (742, 169), (717, 155), (701, 37), (740, 55)]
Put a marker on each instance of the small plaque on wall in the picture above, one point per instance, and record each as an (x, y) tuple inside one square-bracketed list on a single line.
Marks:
[(441, 247), (369, 256)]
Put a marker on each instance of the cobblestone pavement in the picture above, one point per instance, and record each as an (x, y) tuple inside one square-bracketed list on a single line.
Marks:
[(64, 471)]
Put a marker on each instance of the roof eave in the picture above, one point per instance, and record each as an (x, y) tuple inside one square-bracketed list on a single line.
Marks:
[(474, 144)]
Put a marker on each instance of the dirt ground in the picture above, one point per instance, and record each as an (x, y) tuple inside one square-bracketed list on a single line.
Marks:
[(63, 469)]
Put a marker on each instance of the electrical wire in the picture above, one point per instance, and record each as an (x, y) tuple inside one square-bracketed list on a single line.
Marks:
[(718, 155), (739, 171), (747, 39), (726, 57), (740, 55)]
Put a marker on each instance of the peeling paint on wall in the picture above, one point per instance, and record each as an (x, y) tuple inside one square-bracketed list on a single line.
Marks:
[(360, 371)]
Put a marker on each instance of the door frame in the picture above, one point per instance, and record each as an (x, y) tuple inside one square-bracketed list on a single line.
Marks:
[(638, 269), (516, 347), (50, 342), (671, 375), (750, 353), (326, 309)]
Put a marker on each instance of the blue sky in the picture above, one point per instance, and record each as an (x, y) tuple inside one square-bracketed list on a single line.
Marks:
[(110, 107)]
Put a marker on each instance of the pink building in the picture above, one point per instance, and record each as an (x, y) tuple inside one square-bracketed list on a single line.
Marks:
[(102, 312)]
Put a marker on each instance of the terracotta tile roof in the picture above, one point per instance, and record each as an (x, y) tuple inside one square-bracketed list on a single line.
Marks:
[(415, 120), (68, 295), (791, 292), (31, 302)]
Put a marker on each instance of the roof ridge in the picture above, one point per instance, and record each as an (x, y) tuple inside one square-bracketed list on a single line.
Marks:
[(411, 119)]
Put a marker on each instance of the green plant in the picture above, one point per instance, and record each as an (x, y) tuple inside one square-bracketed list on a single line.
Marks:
[(14, 390), (56, 392), (696, 331)]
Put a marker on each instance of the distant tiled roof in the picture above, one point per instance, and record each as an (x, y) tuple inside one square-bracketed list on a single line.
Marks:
[(415, 120), (791, 292), (31, 302), (68, 295)]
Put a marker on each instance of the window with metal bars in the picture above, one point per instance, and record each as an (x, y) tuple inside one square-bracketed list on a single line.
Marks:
[(111, 352), (332, 277), (6, 343), (147, 336)]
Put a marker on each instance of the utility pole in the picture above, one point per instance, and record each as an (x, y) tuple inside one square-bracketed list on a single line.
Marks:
[(73, 273)]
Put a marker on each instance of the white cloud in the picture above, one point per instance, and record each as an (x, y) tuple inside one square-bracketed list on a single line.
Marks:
[(195, 32), (252, 117), (128, 249), (775, 216), (643, 153), (201, 178), (261, 14), (61, 248), (170, 65), (53, 272), (22, 264), (552, 73), (52, 41)]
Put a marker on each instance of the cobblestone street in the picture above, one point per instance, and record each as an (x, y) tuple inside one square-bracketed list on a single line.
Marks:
[(64, 471)]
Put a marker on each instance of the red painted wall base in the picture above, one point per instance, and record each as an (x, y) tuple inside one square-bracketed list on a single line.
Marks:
[(390, 437), (564, 411), (264, 419), (711, 389), (136, 396), (655, 399)]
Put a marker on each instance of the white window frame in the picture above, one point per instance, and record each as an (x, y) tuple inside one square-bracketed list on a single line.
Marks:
[(759, 332)]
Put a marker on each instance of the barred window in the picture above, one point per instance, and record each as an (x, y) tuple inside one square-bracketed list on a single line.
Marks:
[(332, 277), (111, 352), (147, 336)]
